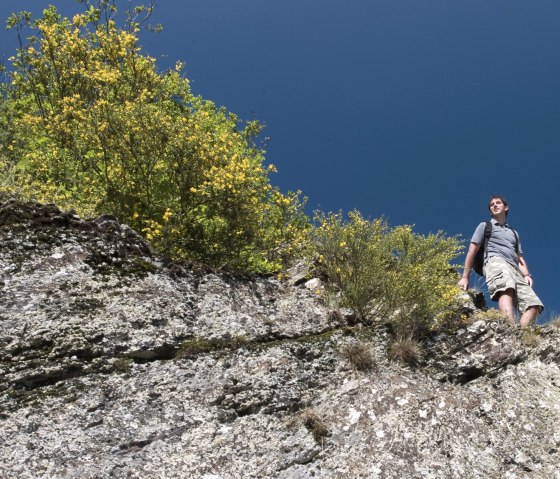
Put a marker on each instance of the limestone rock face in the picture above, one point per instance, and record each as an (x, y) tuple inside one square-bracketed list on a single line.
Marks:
[(116, 364)]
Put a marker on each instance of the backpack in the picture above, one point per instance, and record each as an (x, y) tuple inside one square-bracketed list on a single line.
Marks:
[(478, 262)]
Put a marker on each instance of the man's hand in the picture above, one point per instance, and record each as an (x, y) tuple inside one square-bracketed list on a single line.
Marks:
[(529, 280), (469, 261), (463, 283)]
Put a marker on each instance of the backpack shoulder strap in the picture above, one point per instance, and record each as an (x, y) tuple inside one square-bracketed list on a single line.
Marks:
[(516, 241), (487, 234)]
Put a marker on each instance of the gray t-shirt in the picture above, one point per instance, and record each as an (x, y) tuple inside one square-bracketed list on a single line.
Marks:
[(501, 242)]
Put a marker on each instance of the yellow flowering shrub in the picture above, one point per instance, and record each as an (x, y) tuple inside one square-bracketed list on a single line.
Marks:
[(388, 274), (355, 257), (93, 125), (423, 283)]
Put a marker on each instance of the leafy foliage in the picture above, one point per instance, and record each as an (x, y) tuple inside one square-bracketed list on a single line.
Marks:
[(88, 122), (355, 257), (388, 273)]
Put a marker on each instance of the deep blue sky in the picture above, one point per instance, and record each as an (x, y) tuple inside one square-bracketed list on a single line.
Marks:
[(418, 111)]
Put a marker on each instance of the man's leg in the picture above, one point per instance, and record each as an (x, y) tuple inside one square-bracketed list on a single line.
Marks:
[(505, 303), (529, 303), (529, 316)]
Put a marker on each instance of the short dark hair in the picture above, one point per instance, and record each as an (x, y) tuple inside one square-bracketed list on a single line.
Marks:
[(497, 197)]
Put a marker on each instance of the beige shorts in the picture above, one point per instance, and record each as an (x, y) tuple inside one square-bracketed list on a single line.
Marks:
[(501, 275)]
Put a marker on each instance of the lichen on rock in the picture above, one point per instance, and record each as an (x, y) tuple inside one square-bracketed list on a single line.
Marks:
[(115, 363)]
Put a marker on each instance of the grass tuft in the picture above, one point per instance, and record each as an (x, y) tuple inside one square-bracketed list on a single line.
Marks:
[(405, 350), (359, 356), (122, 365), (555, 322), (315, 425), (530, 337), (490, 315)]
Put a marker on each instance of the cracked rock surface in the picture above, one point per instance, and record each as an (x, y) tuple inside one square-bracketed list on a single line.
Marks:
[(115, 364)]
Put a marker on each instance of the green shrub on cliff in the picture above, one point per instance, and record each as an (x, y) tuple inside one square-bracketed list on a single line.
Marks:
[(355, 257), (386, 273), (88, 122)]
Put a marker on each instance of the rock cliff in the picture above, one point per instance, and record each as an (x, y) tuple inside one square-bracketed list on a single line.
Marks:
[(117, 364)]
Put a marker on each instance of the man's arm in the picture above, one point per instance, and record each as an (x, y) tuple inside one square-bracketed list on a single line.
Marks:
[(525, 269), (469, 260)]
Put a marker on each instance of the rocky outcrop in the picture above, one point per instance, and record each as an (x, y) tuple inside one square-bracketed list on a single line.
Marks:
[(114, 363)]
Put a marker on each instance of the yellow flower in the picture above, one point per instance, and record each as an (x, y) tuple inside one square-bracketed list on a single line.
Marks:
[(167, 215)]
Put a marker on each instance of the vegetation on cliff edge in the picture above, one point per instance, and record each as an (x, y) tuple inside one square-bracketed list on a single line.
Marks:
[(87, 121)]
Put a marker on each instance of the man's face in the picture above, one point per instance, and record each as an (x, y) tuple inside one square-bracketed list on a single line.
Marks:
[(497, 207)]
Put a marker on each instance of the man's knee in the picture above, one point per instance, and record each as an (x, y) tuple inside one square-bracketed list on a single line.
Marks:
[(533, 310), (529, 316), (506, 294)]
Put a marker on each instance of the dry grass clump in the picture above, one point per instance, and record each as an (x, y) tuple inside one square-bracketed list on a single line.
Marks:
[(405, 350), (359, 356), (491, 314), (530, 337), (122, 365), (555, 322), (550, 318), (315, 425)]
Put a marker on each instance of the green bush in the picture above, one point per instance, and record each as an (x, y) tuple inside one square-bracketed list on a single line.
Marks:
[(388, 274), (423, 283), (355, 257), (88, 122)]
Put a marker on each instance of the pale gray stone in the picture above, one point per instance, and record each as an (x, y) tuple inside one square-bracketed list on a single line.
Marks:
[(115, 364)]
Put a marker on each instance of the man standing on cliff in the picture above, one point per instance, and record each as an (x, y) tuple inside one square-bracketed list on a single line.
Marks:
[(505, 269)]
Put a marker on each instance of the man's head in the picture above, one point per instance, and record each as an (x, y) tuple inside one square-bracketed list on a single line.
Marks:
[(497, 204)]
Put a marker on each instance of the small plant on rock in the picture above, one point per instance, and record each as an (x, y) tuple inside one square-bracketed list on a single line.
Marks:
[(359, 356), (530, 337), (315, 425), (550, 318), (122, 365), (555, 322), (405, 350), (490, 315)]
